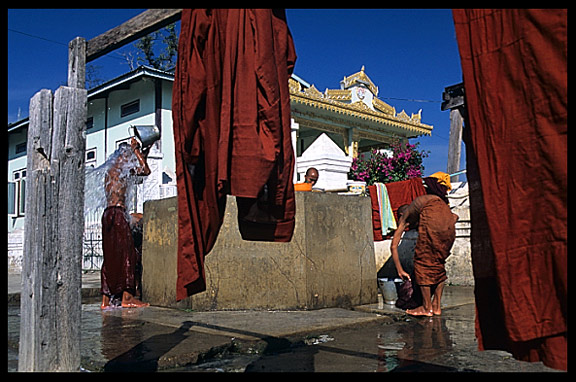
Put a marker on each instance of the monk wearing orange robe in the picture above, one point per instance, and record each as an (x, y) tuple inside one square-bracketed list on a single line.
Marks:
[(436, 235), (310, 180)]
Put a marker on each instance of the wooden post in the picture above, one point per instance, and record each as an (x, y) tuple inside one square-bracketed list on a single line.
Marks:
[(455, 143), (453, 97), (50, 305), (37, 237)]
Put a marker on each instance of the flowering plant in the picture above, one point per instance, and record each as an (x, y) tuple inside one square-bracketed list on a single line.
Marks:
[(405, 163)]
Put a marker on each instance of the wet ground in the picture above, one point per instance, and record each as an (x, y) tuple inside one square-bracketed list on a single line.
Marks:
[(436, 344), (369, 338)]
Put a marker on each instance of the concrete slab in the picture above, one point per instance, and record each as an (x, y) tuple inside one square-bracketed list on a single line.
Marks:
[(90, 287), (326, 264), (158, 338)]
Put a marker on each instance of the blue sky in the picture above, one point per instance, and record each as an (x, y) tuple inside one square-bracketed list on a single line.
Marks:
[(410, 54)]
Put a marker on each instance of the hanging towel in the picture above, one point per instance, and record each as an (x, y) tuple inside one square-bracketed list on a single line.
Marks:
[(404, 192), (399, 193), (376, 221), (387, 220)]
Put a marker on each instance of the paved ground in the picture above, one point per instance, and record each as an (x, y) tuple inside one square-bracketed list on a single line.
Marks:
[(368, 338)]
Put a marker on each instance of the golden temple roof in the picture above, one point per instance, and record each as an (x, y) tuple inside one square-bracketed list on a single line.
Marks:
[(359, 78), (343, 101)]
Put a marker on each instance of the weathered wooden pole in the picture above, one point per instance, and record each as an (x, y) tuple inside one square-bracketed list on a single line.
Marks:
[(454, 101), (454, 143), (50, 305)]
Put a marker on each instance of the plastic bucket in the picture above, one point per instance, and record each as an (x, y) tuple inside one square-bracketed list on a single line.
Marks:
[(388, 289)]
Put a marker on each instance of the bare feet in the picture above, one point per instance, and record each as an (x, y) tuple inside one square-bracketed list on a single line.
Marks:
[(129, 301), (419, 311), (105, 302)]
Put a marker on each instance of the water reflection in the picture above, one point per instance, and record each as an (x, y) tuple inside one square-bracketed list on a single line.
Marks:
[(127, 345), (418, 344)]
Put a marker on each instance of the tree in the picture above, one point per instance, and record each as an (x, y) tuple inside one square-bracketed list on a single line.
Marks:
[(144, 52), (147, 49), (92, 76)]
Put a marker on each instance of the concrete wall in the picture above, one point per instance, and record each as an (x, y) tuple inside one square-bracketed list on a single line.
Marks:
[(328, 263)]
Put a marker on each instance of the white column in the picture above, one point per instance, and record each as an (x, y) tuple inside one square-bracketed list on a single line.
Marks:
[(294, 127)]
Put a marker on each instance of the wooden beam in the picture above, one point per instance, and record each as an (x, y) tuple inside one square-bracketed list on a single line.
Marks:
[(133, 29), (50, 302), (453, 97)]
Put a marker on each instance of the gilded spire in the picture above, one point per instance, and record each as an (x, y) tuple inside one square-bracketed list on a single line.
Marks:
[(359, 78)]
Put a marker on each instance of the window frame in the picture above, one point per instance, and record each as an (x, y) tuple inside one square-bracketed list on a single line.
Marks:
[(130, 108), (19, 194)]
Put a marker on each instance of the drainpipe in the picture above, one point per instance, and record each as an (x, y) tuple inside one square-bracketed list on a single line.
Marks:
[(106, 128)]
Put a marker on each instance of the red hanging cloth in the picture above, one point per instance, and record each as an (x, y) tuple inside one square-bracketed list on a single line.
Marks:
[(514, 65), (231, 114)]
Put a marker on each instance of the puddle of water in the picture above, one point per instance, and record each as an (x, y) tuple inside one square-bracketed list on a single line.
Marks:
[(432, 344)]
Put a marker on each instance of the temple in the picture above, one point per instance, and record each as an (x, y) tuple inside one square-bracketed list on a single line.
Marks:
[(352, 117)]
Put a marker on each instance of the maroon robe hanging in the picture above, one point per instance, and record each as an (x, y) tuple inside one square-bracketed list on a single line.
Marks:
[(514, 65), (231, 113), (399, 193)]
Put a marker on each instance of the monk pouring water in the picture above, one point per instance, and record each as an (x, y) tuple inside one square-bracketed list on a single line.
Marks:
[(436, 235), (118, 275)]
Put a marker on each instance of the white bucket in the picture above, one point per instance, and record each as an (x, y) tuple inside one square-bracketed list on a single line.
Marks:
[(388, 289)]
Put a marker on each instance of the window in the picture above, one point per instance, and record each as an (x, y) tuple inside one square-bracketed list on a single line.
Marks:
[(21, 196), (130, 108), (89, 123), (17, 193), (21, 148), (125, 140), (91, 157), (12, 199)]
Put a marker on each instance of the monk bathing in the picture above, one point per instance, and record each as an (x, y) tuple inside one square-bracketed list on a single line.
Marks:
[(118, 275), (436, 235)]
